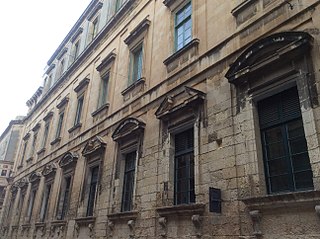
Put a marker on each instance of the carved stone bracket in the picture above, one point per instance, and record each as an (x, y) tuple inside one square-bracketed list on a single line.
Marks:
[(256, 220), (163, 222), (317, 209)]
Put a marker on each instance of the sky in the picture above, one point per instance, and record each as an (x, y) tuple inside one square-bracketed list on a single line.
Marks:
[(30, 32)]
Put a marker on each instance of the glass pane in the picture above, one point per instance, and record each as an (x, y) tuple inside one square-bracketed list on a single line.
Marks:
[(298, 145), (275, 150), (280, 183), (295, 129), (304, 180), (188, 10), (300, 162), (273, 135), (278, 167)]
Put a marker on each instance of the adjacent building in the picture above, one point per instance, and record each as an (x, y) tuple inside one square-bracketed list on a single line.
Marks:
[(175, 119)]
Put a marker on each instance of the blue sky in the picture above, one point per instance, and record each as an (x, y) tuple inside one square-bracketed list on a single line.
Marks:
[(30, 33)]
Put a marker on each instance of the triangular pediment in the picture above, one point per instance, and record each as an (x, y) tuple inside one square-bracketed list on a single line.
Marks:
[(68, 160), (185, 98), (34, 177), (95, 145), (266, 51), (127, 127)]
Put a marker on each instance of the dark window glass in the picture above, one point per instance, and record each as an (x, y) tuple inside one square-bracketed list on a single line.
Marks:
[(103, 90), (60, 122), (64, 200), (128, 184), (285, 148), (92, 190), (136, 64), (45, 134), (45, 202), (184, 168)]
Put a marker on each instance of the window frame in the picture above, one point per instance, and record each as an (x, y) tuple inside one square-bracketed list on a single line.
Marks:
[(177, 25), (64, 200), (136, 63), (103, 90), (79, 110), (45, 202)]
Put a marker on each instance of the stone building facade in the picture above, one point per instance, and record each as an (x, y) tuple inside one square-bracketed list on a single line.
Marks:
[(9, 143), (175, 119)]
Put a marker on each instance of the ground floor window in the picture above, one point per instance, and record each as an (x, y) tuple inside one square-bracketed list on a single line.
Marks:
[(285, 151)]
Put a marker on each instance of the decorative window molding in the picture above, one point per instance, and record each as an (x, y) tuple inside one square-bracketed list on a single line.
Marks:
[(94, 146), (77, 34), (62, 52), (26, 137), (35, 177), (189, 97), (106, 61), (69, 159), (48, 116), (129, 126), (82, 85), (36, 127), (138, 31), (284, 45), (63, 102), (95, 10), (51, 67), (174, 4), (49, 169)]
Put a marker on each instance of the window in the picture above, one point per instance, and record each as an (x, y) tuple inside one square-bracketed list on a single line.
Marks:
[(76, 49), (31, 204), (94, 172), (45, 202), (34, 142), (4, 172), (25, 146), (64, 198), (45, 134), (60, 68), (136, 64), (119, 4), (184, 168), (286, 158), (128, 182), (183, 27), (60, 123), (77, 119), (103, 90), (94, 30)]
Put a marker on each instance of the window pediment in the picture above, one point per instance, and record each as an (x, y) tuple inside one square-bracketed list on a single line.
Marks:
[(36, 127), (22, 183), (34, 177), (63, 102), (137, 31), (93, 146), (68, 160), (266, 51), (49, 169), (82, 85), (48, 116), (106, 61), (179, 101), (128, 127)]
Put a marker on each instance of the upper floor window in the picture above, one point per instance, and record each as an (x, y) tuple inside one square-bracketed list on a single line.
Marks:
[(60, 124), (183, 26), (103, 92), (135, 64), (45, 134), (77, 118), (76, 49)]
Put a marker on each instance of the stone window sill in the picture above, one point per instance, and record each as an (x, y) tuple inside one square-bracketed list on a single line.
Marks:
[(39, 224), (100, 109), (29, 160), (56, 140), (58, 223), (41, 151), (85, 220), (20, 166), (184, 209), (291, 199), (77, 126), (134, 85), (26, 226), (182, 56), (132, 215)]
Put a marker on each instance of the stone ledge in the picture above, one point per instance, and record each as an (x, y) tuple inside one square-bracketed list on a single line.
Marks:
[(56, 140), (100, 109), (85, 220), (132, 215), (184, 209), (74, 127), (40, 224), (58, 223), (292, 199)]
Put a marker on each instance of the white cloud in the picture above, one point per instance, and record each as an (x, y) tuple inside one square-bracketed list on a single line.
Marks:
[(30, 33)]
